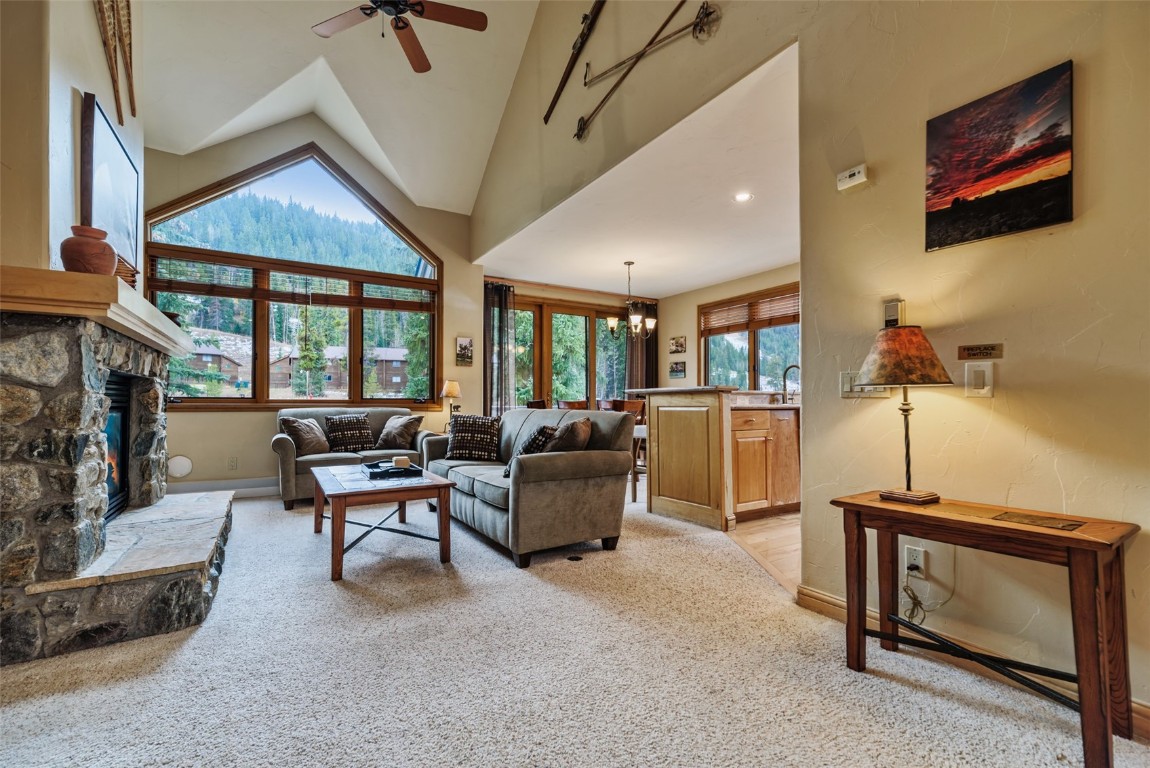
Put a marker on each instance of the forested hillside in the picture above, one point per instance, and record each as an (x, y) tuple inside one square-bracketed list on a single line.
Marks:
[(264, 226)]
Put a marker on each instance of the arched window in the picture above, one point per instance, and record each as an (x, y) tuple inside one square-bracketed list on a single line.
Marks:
[(296, 285)]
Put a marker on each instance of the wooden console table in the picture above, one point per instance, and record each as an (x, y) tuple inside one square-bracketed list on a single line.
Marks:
[(1092, 551)]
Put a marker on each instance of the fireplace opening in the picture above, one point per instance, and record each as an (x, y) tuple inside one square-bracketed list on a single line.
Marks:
[(119, 391)]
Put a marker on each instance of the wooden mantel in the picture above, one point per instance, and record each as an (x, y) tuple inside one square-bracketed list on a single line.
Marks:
[(104, 299)]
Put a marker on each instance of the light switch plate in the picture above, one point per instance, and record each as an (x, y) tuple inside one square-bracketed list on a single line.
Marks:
[(979, 379)]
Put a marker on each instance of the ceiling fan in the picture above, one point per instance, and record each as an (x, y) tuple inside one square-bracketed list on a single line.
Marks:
[(397, 10)]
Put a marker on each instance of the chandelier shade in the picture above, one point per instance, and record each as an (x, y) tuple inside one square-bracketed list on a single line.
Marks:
[(638, 323)]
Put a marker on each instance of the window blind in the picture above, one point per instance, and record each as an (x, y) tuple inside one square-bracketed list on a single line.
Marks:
[(778, 306)]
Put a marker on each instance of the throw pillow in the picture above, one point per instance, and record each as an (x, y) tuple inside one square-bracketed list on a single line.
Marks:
[(572, 436), (533, 444), (349, 434), (474, 437), (306, 434), (399, 432)]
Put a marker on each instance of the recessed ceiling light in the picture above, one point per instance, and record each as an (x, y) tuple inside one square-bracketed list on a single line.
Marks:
[(744, 197)]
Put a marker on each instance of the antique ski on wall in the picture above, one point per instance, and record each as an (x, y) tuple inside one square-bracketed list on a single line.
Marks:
[(589, 20)]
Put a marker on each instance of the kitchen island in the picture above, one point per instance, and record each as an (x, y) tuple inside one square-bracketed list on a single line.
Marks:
[(710, 460)]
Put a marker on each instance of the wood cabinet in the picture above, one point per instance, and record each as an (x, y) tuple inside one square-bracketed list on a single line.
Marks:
[(765, 459)]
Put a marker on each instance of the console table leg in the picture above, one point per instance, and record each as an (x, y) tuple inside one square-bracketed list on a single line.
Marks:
[(1116, 648), (855, 536), (1089, 612), (887, 586)]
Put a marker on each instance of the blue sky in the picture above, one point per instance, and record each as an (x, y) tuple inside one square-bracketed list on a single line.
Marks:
[(310, 185)]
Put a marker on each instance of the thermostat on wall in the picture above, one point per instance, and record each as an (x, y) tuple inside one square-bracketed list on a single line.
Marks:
[(851, 177)]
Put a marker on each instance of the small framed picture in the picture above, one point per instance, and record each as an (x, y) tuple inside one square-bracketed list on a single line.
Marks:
[(678, 370), (464, 350), (678, 345)]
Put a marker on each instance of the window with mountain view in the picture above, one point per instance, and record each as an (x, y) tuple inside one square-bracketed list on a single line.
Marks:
[(751, 340), (295, 285)]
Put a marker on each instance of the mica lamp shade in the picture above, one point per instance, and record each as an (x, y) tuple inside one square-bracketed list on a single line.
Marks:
[(902, 357), (451, 389)]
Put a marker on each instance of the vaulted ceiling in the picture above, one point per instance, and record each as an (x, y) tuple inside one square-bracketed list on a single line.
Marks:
[(212, 71)]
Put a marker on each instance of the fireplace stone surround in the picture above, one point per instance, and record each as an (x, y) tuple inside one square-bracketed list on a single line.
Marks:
[(68, 579)]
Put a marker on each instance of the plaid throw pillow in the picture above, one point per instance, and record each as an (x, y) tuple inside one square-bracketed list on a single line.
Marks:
[(474, 437), (533, 444), (349, 434)]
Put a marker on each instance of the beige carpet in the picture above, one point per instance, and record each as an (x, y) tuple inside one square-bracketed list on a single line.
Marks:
[(677, 649)]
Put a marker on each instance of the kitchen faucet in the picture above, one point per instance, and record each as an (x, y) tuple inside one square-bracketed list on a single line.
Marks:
[(786, 371)]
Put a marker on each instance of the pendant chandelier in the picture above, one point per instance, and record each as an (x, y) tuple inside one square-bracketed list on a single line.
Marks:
[(638, 324)]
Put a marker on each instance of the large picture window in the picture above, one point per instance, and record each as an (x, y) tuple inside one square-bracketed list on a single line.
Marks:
[(295, 285), (750, 340)]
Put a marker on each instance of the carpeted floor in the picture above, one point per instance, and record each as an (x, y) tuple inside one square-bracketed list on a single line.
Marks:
[(677, 649)]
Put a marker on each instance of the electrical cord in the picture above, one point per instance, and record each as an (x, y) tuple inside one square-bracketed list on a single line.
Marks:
[(917, 612)]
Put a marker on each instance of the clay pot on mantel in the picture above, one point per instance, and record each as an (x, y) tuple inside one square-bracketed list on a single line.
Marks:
[(87, 251)]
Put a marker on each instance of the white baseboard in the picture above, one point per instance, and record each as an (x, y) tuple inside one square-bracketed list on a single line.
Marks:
[(249, 488), (836, 608)]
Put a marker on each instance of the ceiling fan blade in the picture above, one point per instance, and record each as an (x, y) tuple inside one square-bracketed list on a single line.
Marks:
[(344, 20), (450, 14), (410, 44)]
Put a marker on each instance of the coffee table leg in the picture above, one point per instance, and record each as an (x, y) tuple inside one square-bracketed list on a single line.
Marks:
[(319, 500), (403, 511), (338, 523), (444, 504)]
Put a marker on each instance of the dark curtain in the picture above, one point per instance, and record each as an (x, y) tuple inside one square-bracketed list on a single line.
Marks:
[(643, 355), (498, 348)]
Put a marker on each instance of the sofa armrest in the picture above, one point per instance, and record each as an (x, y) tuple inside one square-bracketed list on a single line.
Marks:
[(573, 465), (420, 437), (284, 446), (432, 447)]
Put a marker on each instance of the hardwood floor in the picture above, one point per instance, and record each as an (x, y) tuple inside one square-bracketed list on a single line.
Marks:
[(775, 544)]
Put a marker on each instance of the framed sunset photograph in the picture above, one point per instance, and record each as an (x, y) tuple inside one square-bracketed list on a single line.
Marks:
[(1001, 164)]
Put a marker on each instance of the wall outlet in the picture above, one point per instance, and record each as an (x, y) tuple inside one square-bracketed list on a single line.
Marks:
[(847, 387), (916, 556), (233, 463)]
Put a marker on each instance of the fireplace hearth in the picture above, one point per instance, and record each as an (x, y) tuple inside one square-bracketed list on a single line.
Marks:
[(83, 438)]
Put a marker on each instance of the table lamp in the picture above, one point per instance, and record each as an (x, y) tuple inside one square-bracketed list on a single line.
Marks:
[(451, 391), (902, 357)]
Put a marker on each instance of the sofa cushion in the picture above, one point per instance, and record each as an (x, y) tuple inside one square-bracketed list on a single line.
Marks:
[(474, 437), (483, 481), (572, 436), (349, 433), (306, 434), (399, 432), (533, 444)]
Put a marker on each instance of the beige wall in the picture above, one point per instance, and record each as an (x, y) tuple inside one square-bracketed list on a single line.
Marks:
[(51, 54), (23, 140), (679, 316), (248, 436), (1069, 427)]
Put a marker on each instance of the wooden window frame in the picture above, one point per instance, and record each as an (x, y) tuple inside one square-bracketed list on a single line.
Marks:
[(263, 295), (749, 312)]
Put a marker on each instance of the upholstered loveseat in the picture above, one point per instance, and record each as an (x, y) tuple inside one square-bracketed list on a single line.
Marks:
[(296, 480), (548, 499)]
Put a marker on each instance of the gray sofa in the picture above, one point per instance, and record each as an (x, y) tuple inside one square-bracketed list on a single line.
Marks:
[(296, 480), (550, 499)]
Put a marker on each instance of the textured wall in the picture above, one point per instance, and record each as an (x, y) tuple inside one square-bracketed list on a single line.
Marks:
[(1069, 427)]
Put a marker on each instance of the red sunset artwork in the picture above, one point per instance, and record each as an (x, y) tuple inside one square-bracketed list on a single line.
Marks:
[(1001, 164)]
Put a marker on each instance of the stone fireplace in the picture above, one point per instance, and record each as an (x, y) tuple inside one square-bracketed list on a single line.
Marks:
[(69, 578)]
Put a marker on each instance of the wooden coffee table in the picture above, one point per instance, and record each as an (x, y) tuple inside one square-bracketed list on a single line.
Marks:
[(349, 486)]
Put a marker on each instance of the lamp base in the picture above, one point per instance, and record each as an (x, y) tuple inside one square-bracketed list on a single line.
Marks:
[(910, 497)]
